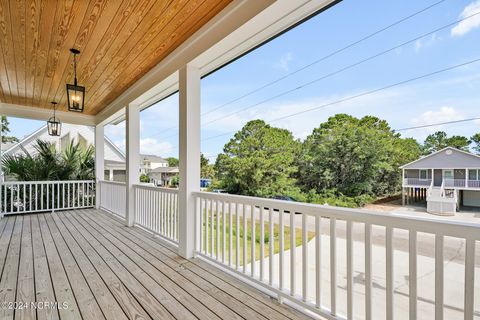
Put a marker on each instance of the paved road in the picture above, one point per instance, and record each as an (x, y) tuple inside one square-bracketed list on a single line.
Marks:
[(454, 248)]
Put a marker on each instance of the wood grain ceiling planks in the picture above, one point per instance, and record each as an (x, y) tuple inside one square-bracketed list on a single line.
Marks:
[(119, 40)]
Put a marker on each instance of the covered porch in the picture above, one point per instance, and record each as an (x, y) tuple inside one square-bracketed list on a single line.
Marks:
[(128, 250), (94, 267)]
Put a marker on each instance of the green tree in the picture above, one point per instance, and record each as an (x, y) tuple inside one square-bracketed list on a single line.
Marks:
[(259, 161), (172, 162), (435, 141), (476, 141), (144, 178), (439, 140), (207, 170), (5, 130), (354, 157), (459, 142), (46, 164)]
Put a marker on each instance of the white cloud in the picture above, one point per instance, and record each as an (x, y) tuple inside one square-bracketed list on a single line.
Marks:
[(284, 61), (301, 125), (444, 114), (150, 146), (427, 42), (467, 25)]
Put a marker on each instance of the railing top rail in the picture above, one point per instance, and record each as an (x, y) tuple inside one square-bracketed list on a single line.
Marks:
[(47, 182), (160, 189), (112, 182), (421, 224)]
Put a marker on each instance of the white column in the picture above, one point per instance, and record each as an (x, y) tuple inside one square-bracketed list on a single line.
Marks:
[(189, 155), (110, 175), (466, 178), (132, 134), (99, 161)]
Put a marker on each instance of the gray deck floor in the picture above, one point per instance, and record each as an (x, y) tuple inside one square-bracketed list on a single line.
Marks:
[(93, 267)]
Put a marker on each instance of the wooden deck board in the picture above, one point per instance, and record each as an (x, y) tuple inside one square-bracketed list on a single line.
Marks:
[(168, 251), (43, 282), (8, 282), (104, 270), (182, 296), (25, 281)]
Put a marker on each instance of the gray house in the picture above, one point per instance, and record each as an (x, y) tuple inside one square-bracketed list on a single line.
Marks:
[(446, 179)]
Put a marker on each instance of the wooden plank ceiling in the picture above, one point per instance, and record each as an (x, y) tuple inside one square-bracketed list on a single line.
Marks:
[(119, 40)]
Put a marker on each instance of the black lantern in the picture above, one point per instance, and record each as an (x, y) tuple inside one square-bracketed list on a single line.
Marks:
[(75, 93), (53, 124)]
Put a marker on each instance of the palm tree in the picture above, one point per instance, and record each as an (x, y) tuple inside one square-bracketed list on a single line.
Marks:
[(74, 163), (47, 164)]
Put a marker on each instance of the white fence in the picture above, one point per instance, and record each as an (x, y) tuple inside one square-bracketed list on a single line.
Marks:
[(112, 197), (40, 196), (337, 253), (156, 209)]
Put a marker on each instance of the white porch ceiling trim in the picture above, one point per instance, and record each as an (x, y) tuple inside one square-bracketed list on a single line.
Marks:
[(20, 111)]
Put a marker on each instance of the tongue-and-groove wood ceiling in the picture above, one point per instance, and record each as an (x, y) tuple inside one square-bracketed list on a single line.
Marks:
[(119, 40)]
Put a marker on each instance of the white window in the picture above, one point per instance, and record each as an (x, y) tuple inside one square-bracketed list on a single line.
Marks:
[(474, 174), (423, 175)]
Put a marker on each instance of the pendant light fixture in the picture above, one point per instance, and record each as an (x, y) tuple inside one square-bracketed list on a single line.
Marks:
[(75, 93), (53, 124)]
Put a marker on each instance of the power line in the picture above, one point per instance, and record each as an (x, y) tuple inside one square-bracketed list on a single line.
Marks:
[(436, 124), (381, 53), (328, 55), (371, 35), (366, 93)]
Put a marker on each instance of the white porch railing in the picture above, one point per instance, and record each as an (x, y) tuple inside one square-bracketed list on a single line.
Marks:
[(474, 184), (40, 196), (416, 182), (112, 197), (313, 275), (156, 209), (455, 183)]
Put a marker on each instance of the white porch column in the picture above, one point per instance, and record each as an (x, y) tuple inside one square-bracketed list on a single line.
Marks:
[(110, 175), (189, 155), (466, 178), (99, 161), (132, 134)]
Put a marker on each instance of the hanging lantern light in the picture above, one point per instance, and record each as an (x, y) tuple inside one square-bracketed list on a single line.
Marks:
[(75, 93), (53, 124)]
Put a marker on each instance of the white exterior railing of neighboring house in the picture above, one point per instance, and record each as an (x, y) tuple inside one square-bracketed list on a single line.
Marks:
[(112, 197), (449, 183), (156, 209), (221, 221), (455, 183), (416, 182), (474, 184), (42, 196)]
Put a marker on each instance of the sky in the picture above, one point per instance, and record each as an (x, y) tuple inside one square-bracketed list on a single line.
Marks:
[(445, 96)]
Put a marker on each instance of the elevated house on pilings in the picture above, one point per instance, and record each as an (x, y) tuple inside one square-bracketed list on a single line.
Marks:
[(446, 180)]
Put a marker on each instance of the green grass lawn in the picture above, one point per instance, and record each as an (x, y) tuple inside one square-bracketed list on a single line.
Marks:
[(257, 238)]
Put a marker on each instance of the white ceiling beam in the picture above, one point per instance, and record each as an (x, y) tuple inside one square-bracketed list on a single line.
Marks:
[(20, 111)]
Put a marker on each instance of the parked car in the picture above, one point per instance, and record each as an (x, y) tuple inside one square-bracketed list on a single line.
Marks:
[(283, 198)]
